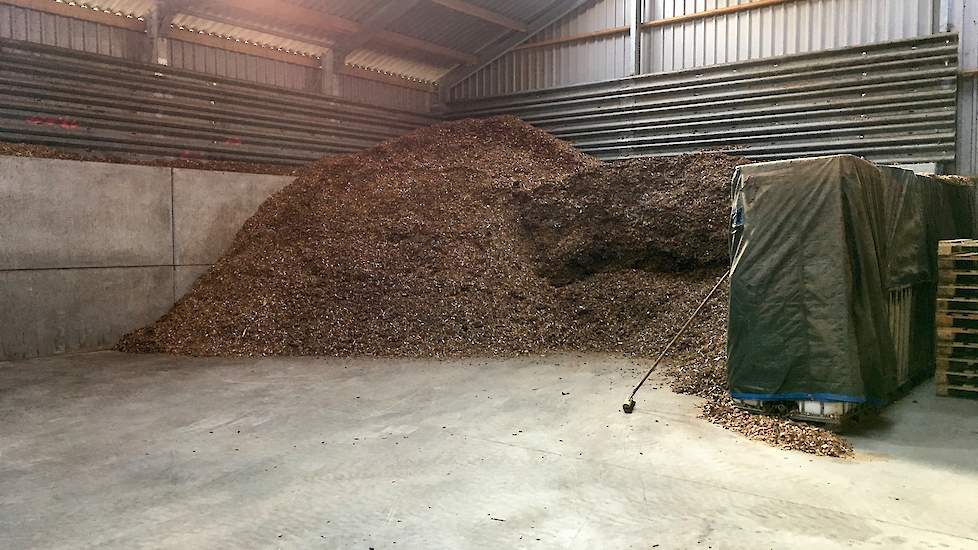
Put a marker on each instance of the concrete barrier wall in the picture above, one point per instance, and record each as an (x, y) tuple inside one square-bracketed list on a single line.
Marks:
[(89, 251)]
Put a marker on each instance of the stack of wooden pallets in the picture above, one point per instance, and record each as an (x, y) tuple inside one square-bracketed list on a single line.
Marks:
[(957, 318)]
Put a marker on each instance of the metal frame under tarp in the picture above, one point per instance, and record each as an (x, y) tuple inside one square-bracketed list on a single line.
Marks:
[(819, 246)]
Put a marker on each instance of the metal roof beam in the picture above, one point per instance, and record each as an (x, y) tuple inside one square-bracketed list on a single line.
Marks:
[(557, 11), (287, 12), (404, 41), (292, 14), (484, 14), (375, 24), (238, 21)]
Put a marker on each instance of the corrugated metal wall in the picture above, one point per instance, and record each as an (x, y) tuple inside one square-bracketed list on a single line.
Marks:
[(65, 32), (964, 17), (892, 102), (240, 66), (559, 65), (228, 64), (99, 104), (968, 126), (797, 26), (785, 29), (384, 95)]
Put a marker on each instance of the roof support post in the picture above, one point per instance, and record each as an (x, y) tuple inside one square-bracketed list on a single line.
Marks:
[(964, 20), (330, 72), (156, 26), (635, 36), (942, 15)]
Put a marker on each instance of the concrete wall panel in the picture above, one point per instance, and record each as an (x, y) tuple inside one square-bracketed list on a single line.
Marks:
[(52, 311), (63, 213), (210, 207)]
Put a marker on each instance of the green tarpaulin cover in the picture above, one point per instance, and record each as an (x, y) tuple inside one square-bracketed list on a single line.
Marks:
[(817, 247)]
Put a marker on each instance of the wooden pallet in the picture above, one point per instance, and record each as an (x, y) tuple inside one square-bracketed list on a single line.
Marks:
[(961, 382), (960, 290), (956, 246), (957, 318), (957, 304), (960, 265), (956, 376), (957, 277), (956, 372)]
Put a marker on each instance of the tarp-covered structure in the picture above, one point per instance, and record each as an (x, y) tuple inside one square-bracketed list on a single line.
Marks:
[(825, 251)]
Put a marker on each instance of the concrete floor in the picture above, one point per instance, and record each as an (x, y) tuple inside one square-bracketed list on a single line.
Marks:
[(107, 450)]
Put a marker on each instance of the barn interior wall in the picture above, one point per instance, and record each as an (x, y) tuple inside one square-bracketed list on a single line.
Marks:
[(18, 23), (786, 28), (94, 250)]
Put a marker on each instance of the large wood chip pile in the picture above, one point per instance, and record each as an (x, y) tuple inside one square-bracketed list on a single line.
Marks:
[(468, 239)]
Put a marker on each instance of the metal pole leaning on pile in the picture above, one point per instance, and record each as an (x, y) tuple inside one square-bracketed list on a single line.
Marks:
[(629, 404)]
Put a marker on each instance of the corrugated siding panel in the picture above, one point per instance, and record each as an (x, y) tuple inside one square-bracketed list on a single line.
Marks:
[(228, 64), (968, 126), (85, 102), (785, 29), (892, 102), (384, 95), (797, 26), (561, 65), (66, 32)]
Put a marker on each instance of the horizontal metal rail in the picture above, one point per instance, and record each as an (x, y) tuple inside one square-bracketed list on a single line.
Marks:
[(84, 102), (892, 102)]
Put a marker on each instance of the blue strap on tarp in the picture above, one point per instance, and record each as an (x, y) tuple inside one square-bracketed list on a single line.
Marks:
[(800, 396)]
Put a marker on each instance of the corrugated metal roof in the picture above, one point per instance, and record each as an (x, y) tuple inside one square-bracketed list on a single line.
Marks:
[(428, 21), (134, 8), (375, 59), (354, 10), (439, 25), (522, 10), (247, 35), (246, 24)]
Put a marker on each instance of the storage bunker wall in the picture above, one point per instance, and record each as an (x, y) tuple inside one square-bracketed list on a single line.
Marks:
[(834, 270)]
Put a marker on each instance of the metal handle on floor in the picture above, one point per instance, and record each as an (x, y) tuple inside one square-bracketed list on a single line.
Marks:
[(629, 405)]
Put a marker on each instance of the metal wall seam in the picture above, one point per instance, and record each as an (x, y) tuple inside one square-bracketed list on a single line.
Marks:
[(963, 17), (889, 102)]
